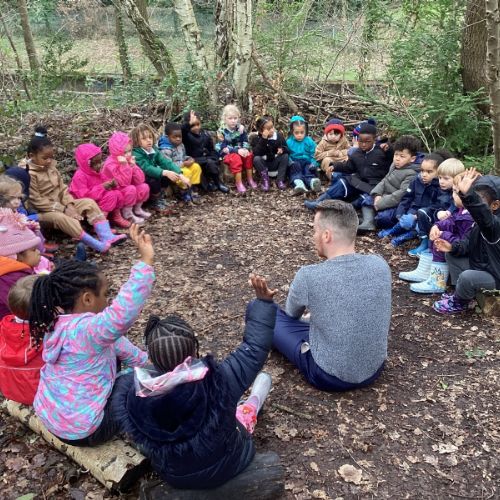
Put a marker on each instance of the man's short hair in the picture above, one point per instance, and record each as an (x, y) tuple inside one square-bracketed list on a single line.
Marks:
[(340, 217)]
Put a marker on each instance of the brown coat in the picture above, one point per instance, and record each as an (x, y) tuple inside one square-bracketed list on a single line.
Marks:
[(328, 152), (48, 193)]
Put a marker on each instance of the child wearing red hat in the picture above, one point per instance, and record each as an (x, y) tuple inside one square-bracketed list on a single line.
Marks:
[(333, 146)]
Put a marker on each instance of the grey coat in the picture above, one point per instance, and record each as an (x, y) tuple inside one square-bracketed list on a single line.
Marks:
[(393, 186)]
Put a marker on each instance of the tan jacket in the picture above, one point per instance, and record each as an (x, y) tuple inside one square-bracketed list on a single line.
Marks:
[(48, 193), (335, 151)]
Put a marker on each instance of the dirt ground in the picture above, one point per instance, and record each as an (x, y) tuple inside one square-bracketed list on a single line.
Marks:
[(429, 428)]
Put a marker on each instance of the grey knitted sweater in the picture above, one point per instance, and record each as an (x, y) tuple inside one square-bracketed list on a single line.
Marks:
[(349, 298)]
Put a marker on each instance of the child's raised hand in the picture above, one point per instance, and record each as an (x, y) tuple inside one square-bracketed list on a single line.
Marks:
[(144, 244), (262, 291), (192, 117), (442, 245), (465, 183)]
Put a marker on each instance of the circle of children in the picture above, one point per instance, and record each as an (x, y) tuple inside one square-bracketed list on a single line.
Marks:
[(60, 339)]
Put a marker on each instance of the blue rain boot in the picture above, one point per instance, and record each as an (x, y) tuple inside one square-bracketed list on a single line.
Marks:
[(421, 273), (311, 205), (104, 233), (393, 231), (98, 246), (399, 240), (424, 245), (436, 282)]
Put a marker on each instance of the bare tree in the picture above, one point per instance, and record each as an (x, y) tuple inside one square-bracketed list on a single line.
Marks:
[(122, 44), (28, 36), (493, 68), (224, 20), (243, 42), (142, 5), (191, 33), (154, 48)]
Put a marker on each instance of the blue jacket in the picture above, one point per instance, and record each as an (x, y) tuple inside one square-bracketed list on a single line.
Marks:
[(417, 196), (444, 201), (302, 150), (191, 434)]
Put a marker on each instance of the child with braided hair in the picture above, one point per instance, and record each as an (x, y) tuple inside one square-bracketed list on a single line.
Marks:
[(82, 339), (184, 415)]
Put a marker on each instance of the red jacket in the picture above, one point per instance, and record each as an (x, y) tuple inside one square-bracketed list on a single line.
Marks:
[(20, 362)]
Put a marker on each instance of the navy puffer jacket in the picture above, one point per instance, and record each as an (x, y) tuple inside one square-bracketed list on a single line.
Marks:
[(191, 434)]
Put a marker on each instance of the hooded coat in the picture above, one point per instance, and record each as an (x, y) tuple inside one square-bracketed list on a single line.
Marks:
[(191, 434), (86, 182), (80, 360), (482, 245)]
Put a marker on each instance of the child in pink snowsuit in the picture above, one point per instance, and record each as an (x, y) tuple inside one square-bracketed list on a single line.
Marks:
[(89, 182), (120, 165)]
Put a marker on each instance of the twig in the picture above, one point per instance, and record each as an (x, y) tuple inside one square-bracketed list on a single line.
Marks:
[(219, 321), (287, 409)]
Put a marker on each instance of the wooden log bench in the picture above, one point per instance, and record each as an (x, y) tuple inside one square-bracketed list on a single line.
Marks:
[(489, 302), (117, 465), (263, 479)]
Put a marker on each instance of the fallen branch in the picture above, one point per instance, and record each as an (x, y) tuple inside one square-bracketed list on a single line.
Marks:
[(287, 409), (115, 464)]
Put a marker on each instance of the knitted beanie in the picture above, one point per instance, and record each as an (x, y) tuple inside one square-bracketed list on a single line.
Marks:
[(334, 124), (367, 128), (15, 237), (370, 121), (169, 341)]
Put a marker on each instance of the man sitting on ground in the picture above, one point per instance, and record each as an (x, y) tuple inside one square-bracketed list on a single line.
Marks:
[(348, 296)]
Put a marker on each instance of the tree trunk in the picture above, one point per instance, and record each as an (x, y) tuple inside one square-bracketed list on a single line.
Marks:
[(473, 52), (28, 36), (223, 17), (155, 49), (142, 5), (243, 51), (122, 45), (191, 33), (493, 67)]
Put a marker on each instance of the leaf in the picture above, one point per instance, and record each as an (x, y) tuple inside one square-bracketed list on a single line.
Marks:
[(444, 448), (27, 496), (350, 474), (314, 466)]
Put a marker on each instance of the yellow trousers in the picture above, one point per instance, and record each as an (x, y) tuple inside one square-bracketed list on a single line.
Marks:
[(193, 173)]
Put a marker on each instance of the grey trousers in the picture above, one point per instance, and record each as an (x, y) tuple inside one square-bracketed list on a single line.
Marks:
[(467, 281), (280, 164)]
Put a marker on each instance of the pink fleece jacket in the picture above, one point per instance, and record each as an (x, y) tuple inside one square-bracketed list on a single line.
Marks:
[(87, 183), (120, 166)]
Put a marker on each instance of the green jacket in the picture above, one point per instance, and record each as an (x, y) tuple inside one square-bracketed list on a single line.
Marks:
[(153, 164)]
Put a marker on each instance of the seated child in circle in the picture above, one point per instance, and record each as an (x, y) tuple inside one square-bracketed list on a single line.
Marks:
[(185, 415), (474, 261), (431, 274), (19, 253), (270, 153), (50, 197), (160, 171), (172, 148), (89, 182), (18, 198), (333, 146), (420, 195), (20, 361), (200, 146), (388, 193), (130, 181), (82, 338), (303, 167), (233, 147)]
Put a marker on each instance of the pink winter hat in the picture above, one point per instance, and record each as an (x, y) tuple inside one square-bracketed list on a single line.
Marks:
[(15, 237), (118, 142), (85, 152)]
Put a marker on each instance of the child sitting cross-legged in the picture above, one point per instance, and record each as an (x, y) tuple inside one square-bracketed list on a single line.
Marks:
[(185, 415), (431, 274), (303, 167), (20, 361), (160, 172), (390, 190), (420, 195), (474, 262), (50, 197), (172, 148), (333, 146), (83, 337)]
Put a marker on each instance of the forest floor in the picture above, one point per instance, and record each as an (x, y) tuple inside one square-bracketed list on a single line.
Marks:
[(428, 428)]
